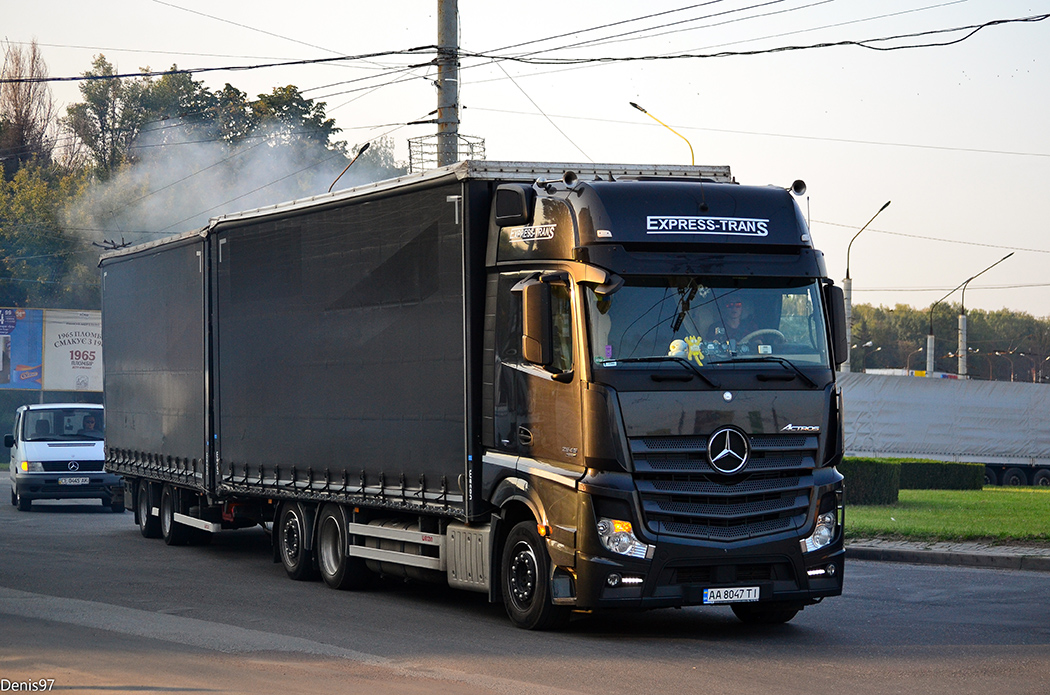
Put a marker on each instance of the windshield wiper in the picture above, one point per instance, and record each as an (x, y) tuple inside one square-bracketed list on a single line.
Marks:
[(782, 361), (670, 358)]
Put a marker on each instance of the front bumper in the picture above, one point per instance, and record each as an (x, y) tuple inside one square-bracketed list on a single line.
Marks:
[(679, 572), (48, 485)]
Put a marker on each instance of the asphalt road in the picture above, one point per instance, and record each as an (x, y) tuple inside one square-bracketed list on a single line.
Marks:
[(87, 602)]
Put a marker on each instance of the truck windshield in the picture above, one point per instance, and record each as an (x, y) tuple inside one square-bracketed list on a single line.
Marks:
[(709, 320), (67, 424)]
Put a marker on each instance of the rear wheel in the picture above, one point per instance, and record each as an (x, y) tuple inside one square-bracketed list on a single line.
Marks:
[(338, 570), (291, 539), (525, 575), (1015, 477), (149, 525), (172, 531), (115, 506), (1042, 478), (990, 477), (765, 613)]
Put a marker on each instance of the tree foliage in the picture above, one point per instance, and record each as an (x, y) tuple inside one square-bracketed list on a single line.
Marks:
[(1002, 344)]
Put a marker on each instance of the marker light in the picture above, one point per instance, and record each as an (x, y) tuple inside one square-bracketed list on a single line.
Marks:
[(618, 537)]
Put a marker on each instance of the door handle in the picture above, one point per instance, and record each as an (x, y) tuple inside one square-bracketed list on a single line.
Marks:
[(524, 436)]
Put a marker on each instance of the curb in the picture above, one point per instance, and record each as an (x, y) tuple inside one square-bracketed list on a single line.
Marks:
[(917, 556)]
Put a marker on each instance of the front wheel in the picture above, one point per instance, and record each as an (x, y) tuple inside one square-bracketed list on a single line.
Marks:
[(23, 503), (525, 575), (765, 613)]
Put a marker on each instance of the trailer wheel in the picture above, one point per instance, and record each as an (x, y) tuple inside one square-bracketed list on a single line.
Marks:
[(990, 477), (149, 525), (338, 570), (172, 531), (291, 533), (1042, 477), (765, 614), (1015, 477), (526, 581)]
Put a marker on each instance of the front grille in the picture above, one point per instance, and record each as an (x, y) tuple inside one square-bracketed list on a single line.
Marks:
[(682, 494), (63, 467)]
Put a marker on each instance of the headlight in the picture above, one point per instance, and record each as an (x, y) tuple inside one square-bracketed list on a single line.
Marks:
[(32, 467), (823, 533), (618, 537)]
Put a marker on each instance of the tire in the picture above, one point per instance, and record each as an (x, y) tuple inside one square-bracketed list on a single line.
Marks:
[(525, 576), (14, 498), (337, 569), (23, 503), (990, 476), (765, 613), (115, 506), (149, 525), (291, 537), (1042, 477), (1015, 477), (171, 531)]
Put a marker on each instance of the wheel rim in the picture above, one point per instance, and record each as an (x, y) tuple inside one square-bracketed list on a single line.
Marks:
[(143, 505), (166, 515), (521, 580), (331, 545), (291, 540)]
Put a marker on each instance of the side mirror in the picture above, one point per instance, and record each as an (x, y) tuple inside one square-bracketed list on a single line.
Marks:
[(536, 342), (9, 440), (513, 205), (836, 302)]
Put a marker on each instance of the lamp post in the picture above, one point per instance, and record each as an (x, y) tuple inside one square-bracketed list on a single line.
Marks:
[(847, 289), (962, 332), (1021, 354), (907, 364), (962, 316)]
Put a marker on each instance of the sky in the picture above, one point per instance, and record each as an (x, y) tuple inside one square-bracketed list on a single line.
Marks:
[(955, 136)]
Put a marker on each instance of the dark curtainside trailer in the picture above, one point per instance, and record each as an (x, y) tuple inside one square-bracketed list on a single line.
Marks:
[(572, 387)]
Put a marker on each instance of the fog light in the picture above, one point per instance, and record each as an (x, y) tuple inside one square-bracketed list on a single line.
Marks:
[(613, 579), (618, 537), (830, 570)]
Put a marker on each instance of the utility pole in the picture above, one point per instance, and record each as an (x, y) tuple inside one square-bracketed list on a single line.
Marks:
[(448, 82)]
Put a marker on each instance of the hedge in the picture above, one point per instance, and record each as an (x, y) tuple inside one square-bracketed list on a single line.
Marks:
[(922, 474), (871, 481)]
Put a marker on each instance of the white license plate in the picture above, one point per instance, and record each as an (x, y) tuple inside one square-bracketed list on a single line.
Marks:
[(735, 594), (74, 481)]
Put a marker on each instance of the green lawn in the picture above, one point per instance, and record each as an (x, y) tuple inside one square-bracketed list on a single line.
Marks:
[(994, 513)]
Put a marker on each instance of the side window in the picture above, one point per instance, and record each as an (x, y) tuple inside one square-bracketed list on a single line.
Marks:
[(561, 313)]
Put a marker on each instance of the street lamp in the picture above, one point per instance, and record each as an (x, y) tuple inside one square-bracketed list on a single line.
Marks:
[(907, 364), (962, 317), (847, 288), (962, 332)]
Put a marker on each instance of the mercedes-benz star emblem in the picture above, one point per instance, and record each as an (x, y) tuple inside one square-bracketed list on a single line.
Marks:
[(74, 466), (728, 449)]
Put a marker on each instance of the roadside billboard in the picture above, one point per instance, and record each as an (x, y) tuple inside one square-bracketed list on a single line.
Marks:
[(50, 349)]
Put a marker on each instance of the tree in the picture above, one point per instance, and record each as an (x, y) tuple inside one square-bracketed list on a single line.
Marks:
[(27, 109), (109, 118)]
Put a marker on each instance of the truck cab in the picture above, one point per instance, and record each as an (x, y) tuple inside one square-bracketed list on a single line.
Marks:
[(667, 349)]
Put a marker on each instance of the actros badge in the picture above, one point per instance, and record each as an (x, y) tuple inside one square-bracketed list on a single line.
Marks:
[(728, 449)]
